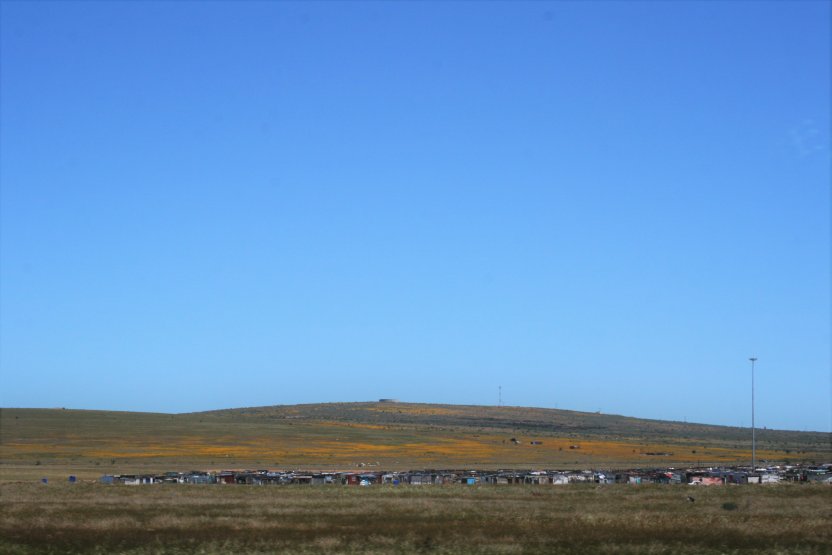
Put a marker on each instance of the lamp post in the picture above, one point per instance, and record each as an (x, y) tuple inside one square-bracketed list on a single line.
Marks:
[(753, 429)]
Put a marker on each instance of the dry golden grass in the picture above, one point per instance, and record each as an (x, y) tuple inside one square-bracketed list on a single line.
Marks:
[(90, 518)]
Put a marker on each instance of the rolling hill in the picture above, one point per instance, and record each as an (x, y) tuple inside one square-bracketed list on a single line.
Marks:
[(389, 435)]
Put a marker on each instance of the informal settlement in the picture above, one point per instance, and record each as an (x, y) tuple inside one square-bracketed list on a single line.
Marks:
[(693, 476)]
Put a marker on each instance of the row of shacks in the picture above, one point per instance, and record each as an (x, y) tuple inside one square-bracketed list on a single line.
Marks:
[(699, 476)]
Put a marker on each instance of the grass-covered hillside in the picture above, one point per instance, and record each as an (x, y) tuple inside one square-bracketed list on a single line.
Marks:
[(386, 435)]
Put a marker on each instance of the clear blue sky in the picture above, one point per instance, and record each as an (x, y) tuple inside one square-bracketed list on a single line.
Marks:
[(597, 206)]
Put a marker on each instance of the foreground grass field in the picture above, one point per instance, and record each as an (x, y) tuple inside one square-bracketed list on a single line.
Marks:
[(92, 518)]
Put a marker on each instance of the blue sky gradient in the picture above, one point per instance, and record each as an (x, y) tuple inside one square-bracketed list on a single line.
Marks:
[(598, 206)]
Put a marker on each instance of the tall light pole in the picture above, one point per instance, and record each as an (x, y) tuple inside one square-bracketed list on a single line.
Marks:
[(753, 429)]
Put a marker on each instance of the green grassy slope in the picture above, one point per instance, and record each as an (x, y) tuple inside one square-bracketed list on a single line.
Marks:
[(36, 442), (530, 420)]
